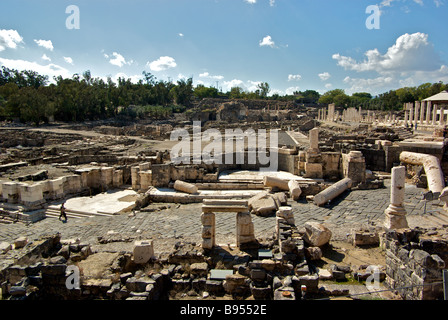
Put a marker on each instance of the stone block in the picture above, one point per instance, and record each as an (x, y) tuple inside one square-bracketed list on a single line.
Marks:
[(313, 170), (143, 251), (5, 247), (208, 219), (208, 232), (316, 234), (20, 242)]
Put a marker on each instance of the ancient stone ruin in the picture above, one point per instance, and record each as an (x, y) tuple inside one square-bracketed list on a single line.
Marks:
[(346, 181)]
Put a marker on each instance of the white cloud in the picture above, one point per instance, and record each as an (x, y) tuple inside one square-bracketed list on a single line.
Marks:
[(291, 90), (294, 77), (233, 83), (68, 60), (411, 52), (163, 63), (9, 39), (118, 60), (50, 70), (47, 44), (248, 85), (328, 85), (272, 3), (208, 76), (251, 1), (438, 3), (267, 41), (324, 76), (368, 85), (133, 78), (180, 34), (45, 57)]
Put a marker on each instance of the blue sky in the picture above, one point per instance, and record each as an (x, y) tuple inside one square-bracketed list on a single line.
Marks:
[(291, 44)]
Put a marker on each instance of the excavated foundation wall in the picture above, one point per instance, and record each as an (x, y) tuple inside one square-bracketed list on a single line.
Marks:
[(414, 265)]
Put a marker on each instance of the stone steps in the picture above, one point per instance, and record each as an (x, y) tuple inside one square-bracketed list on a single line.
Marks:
[(54, 211)]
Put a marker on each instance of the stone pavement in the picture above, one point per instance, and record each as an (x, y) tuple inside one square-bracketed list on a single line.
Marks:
[(352, 209)]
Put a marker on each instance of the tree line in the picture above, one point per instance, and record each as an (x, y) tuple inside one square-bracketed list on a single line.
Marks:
[(391, 100), (30, 97)]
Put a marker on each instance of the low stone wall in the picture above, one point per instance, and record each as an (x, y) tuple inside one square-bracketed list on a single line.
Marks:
[(414, 264)]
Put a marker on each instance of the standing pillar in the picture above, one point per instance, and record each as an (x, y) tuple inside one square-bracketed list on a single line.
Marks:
[(208, 230), (411, 114), (406, 116), (422, 111), (442, 116), (395, 213), (416, 111), (434, 115), (428, 111)]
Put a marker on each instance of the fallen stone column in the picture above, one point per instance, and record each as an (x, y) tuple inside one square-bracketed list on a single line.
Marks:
[(276, 182), (431, 164), (185, 187), (294, 189), (332, 192)]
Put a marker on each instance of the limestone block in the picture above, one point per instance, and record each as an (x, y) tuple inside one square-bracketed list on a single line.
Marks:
[(208, 243), (31, 194), (135, 177), (72, 184), (5, 247), (208, 219), (10, 192), (313, 170), (145, 179), (243, 218), (316, 234), (245, 229), (56, 188), (20, 242), (118, 178), (315, 253), (144, 166), (143, 251), (245, 239), (262, 204), (208, 232), (107, 176)]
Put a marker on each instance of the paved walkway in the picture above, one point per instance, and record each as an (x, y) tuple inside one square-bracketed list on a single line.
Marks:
[(352, 209)]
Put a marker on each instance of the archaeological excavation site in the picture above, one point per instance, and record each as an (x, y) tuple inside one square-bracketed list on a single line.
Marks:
[(240, 200)]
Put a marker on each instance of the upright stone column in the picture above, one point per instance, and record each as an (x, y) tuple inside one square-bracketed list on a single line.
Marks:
[(428, 111), (434, 115), (208, 230), (416, 111), (422, 111), (442, 116), (406, 116), (245, 233), (411, 114), (313, 165), (395, 213)]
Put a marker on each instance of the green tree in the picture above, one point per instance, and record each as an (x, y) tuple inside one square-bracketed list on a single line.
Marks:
[(263, 90), (336, 96), (202, 92)]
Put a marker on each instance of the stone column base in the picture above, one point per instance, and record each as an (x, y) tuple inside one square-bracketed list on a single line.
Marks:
[(395, 218)]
